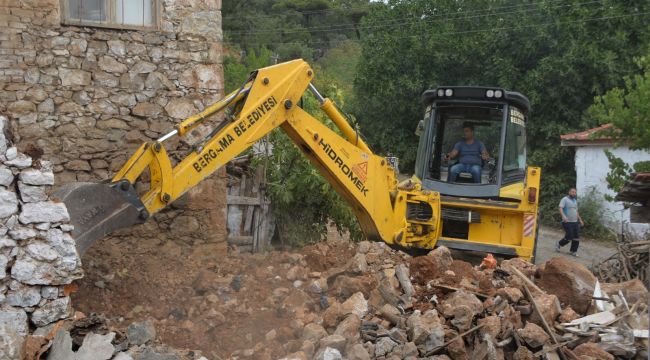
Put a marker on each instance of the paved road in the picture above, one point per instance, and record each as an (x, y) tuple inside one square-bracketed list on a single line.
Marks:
[(590, 250)]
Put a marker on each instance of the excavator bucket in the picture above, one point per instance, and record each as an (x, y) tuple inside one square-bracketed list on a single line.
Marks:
[(97, 209)]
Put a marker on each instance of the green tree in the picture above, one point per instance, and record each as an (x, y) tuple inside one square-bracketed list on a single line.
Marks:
[(628, 110), (340, 65), (236, 69), (303, 202), (559, 54), (292, 28)]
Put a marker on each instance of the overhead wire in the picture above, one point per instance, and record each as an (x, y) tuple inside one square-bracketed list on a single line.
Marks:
[(451, 33), (411, 19), (305, 12), (366, 7)]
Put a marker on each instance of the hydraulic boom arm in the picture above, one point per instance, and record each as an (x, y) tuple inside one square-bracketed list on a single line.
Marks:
[(267, 101)]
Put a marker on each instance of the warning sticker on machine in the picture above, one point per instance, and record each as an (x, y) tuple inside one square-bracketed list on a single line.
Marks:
[(361, 170)]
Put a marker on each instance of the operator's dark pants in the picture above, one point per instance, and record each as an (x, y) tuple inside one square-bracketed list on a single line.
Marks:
[(571, 233), (455, 170)]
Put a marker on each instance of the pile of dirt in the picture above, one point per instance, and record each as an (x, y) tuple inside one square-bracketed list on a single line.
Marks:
[(198, 299)]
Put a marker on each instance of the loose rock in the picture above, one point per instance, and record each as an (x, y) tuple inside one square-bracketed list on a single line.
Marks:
[(333, 341), (140, 333), (356, 305), (358, 352), (313, 332), (571, 282), (329, 354), (384, 346), (425, 330), (533, 335), (592, 350)]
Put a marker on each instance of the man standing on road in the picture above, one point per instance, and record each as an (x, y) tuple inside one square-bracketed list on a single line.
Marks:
[(570, 219)]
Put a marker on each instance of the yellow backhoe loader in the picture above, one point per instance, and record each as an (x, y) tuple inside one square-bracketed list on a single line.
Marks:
[(491, 209)]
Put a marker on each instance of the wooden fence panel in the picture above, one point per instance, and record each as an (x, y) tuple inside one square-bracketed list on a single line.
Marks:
[(250, 223)]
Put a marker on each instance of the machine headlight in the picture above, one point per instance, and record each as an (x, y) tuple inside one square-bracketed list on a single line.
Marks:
[(441, 93), (489, 93), (449, 92), (498, 93)]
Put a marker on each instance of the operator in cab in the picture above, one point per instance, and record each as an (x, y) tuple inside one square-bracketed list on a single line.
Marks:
[(470, 153)]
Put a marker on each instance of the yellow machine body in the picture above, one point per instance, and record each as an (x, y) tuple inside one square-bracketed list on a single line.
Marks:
[(402, 214)]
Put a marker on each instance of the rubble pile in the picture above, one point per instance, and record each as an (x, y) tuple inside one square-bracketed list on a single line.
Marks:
[(384, 304), (336, 300), (90, 338)]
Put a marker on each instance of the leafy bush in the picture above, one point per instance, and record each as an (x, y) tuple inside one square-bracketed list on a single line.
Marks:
[(592, 212)]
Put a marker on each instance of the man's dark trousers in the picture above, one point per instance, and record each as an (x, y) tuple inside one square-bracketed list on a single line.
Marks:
[(572, 234)]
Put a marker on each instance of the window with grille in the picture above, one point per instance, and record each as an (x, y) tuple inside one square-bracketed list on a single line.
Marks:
[(111, 13)]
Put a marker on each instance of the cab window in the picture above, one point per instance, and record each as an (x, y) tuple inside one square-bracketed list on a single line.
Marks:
[(514, 157)]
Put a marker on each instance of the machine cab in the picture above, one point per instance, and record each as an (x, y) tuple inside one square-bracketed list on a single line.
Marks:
[(472, 141)]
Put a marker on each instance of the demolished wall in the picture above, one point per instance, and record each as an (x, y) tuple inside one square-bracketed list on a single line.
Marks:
[(37, 253), (87, 97)]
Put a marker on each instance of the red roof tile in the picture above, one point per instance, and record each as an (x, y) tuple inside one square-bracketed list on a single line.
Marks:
[(588, 134)]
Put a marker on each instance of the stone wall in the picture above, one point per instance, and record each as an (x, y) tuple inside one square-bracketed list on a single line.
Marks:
[(88, 97), (37, 253)]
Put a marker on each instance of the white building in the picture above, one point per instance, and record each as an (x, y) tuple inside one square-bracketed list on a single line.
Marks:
[(592, 166)]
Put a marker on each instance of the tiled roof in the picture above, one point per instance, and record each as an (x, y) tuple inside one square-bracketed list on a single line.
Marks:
[(588, 135)]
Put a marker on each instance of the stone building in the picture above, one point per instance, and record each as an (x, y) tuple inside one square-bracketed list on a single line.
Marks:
[(85, 82)]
